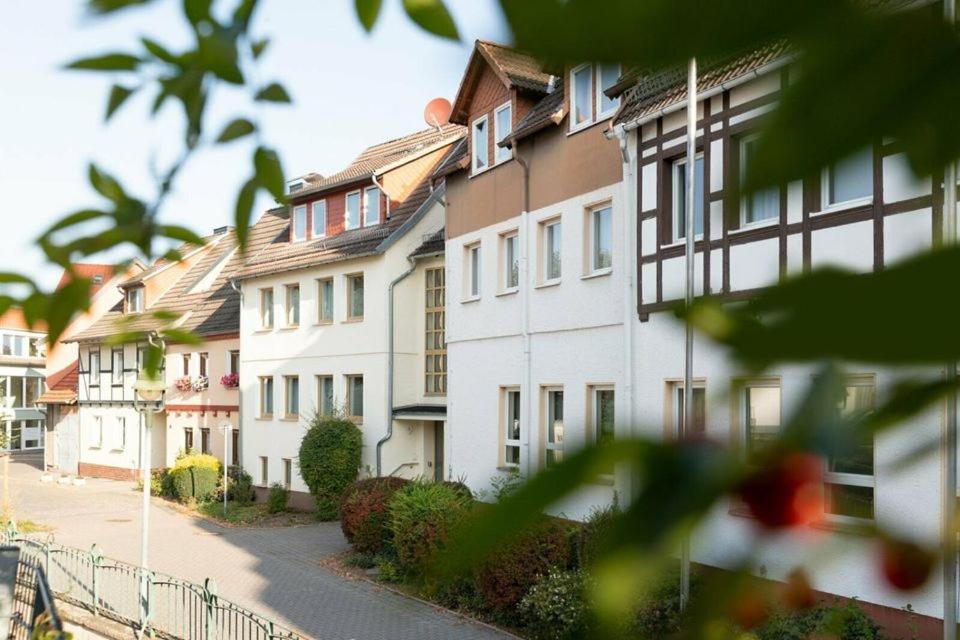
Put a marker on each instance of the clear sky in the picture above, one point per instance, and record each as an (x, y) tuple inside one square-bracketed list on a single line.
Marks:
[(350, 90)]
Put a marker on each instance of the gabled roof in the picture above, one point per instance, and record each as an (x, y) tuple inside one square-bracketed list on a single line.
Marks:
[(659, 90), (62, 386), (185, 250), (90, 272), (515, 69), (433, 244), (455, 160), (551, 110), (380, 156)]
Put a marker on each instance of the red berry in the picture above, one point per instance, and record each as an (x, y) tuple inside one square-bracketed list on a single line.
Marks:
[(905, 565), (787, 491)]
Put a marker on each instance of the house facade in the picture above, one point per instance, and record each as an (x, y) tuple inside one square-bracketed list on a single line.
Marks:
[(863, 213), (536, 266), (22, 380), (334, 313)]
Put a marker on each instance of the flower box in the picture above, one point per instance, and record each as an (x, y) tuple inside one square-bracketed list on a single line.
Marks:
[(202, 383), (183, 384), (230, 381)]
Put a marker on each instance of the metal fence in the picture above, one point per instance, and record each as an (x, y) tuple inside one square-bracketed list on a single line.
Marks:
[(33, 605), (174, 608)]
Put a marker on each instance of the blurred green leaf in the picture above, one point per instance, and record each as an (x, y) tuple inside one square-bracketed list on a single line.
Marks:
[(159, 51), (368, 11), (432, 16), (197, 11), (244, 211), (273, 92), (109, 6), (77, 217), (180, 336), (118, 95), (218, 53), (105, 184), (243, 14), (236, 129), (15, 278), (107, 62), (269, 172), (176, 232), (258, 47)]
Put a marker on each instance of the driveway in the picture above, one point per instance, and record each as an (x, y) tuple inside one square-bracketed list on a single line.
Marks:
[(273, 571)]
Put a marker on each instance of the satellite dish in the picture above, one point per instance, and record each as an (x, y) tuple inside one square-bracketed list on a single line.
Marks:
[(437, 112)]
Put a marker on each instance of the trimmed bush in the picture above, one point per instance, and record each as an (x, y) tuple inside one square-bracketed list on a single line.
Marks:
[(196, 476), (277, 498), (506, 576), (842, 621), (329, 460), (421, 517), (364, 513), (591, 537), (555, 608), (240, 486)]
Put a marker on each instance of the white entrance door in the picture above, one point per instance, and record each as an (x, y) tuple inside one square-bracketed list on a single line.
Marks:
[(68, 443)]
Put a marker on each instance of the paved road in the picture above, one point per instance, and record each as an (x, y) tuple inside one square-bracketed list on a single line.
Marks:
[(273, 571)]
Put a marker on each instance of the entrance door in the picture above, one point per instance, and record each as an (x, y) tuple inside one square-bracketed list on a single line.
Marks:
[(438, 462), (68, 443)]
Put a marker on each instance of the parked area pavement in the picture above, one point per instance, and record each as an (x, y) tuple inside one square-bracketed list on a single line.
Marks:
[(272, 571)]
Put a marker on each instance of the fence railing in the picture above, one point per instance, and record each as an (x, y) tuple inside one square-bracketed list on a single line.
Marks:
[(34, 613), (174, 608)]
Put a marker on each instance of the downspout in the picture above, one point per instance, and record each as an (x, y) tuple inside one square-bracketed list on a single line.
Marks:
[(390, 361), (384, 191), (526, 401), (236, 287)]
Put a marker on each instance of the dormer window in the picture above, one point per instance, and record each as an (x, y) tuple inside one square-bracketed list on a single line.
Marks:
[(295, 185), (298, 227), (588, 102), (352, 218), (480, 157), (371, 206), (135, 300), (503, 127), (319, 218)]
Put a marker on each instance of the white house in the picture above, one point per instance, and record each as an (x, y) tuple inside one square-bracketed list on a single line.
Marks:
[(334, 315), (22, 379)]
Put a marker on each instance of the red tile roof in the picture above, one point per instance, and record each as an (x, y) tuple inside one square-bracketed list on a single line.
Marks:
[(99, 273), (62, 386)]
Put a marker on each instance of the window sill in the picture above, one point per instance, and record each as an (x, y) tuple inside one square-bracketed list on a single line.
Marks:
[(750, 226), (510, 468), (583, 126), (479, 172), (264, 330), (325, 323), (265, 417), (289, 328), (357, 420), (470, 299), (599, 273), (548, 283), (828, 524), (352, 320), (843, 206), (508, 292), (682, 242), (290, 419)]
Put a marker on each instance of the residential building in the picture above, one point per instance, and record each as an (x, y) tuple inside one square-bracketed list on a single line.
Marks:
[(22, 375), (536, 266), (199, 409), (351, 252), (863, 213)]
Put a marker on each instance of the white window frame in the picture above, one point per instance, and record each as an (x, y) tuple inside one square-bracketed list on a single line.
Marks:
[(675, 199), (852, 479), (299, 213), (135, 300), (744, 198), (287, 473), (319, 207), (548, 417), (502, 154), (546, 256), (291, 311), (266, 393), (267, 319), (505, 420), (676, 411), (203, 360), (471, 292), (598, 105), (745, 386), (506, 240), (264, 471), (574, 125), (366, 206), (97, 442), (117, 375), (474, 148), (827, 206), (591, 237), (321, 298), (120, 435), (230, 366), (346, 210), (288, 384)]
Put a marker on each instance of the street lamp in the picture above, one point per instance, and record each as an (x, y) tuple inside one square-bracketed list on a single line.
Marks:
[(148, 399)]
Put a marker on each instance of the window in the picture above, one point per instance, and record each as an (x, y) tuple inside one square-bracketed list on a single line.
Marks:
[(601, 239), (205, 441), (355, 297), (96, 434), (503, 127), (607, 75), (233, 362), (319, 218), (510, 246), (186, 364), (472, 271), (116, 367), (371, 206), (699, 427), (298, 228), (291, 396), (287, 473), (581, 96), (264, 476), (554, 427), (761, 415), (849, 477), (551, 267), (510, 427), (850, 180), (352, 219), (7, 345), (355, 397), (292, 305), (325, 406), (34, 388), (135, 300), (436, 342), (266, 308), (141, 358), (325, 301), (16, 390), (680, 199), (760, 205), (266, 397), (479, 144), (36, 347), (94, 368), (188, 439), (602, 414)]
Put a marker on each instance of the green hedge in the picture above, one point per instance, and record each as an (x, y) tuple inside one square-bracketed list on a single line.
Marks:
[(364, 513), (329, 461), (422, 515), (197, 483)]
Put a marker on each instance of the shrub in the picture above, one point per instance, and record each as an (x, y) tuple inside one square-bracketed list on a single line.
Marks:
[(658, 614), (197, 483), (843, 621), (329, 460), (421, 517), (239, 486), (503, 485), (161, 483), (460, 487), (591, 537), (277, 498), (387, 570), (555, 608), (364, 515), (506, 575)]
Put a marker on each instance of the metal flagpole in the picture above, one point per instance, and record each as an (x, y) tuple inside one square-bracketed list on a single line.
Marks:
[(689, 229)]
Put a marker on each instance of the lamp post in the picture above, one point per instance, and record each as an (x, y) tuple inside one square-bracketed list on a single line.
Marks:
[(148, 399)]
